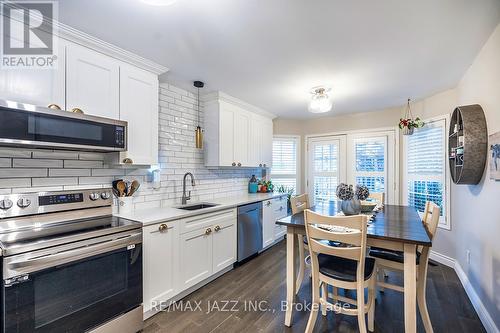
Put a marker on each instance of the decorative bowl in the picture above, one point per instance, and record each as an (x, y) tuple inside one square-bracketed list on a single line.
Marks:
[(367, 206)]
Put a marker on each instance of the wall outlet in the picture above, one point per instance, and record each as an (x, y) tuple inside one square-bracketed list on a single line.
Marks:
[(467, 254)]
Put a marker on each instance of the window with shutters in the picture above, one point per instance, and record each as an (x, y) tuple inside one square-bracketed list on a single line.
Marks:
[(286, 162), (426, 173)]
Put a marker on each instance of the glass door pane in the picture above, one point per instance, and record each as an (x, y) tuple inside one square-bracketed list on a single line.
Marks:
[(325, 168)]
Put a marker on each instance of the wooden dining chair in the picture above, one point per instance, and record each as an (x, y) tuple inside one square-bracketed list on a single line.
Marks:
[(378, 196), (343, 266), (298, 204), (394, 261)]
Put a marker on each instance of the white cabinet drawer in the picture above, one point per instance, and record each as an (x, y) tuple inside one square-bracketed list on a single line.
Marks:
[(207, 220)]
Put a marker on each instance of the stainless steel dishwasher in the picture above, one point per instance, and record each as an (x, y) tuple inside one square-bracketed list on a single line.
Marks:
[(249, 230)]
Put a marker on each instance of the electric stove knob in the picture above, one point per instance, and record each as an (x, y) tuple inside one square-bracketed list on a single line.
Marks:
[(105, 195), (5, 204), (23, 202), (94, 196)]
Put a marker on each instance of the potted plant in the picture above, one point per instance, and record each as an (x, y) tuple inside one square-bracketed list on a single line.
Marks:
[(408, 123), (288, 190)]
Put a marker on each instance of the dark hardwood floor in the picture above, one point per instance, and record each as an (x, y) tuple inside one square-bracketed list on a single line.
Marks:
[(225, 305)]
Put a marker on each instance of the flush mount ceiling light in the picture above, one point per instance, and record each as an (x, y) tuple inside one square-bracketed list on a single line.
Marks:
[(320, 100), (159, 2)]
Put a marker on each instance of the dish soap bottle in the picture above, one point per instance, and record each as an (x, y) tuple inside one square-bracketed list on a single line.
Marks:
[(252, 185)]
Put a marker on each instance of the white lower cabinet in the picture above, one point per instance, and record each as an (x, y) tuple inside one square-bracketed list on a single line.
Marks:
[(180, 254), (280, 210), (196, 257), (161, 248), (268, 223), (207, 249), (273, 210), (224, 245)]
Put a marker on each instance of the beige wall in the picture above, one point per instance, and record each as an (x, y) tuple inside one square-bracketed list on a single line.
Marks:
[(475, 210)]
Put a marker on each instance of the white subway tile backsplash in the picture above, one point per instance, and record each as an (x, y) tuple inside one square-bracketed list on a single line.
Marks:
[(69, 172), (55, 154), (5, 162), (36, 163), (23, 170), (54, 181), (83, 164), (15, 182), (14, 152)]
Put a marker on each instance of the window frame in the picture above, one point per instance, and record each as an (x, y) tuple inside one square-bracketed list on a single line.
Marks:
[(297, 175), (444, 223)]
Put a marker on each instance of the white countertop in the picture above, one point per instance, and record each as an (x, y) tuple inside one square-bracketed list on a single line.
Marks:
[(164, 214)]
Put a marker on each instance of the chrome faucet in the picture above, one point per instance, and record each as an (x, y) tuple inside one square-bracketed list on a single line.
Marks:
[(187, 197)]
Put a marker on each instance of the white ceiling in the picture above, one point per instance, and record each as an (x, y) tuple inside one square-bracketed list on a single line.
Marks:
[(373, 53)]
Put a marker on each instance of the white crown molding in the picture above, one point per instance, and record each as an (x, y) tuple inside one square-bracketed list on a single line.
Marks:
[(76, 36), (73, 35), (221, 96)]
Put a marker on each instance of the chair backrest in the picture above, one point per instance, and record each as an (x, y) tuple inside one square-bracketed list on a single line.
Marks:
[(378, 196), (348, 230), (299, 203), (431, 217)]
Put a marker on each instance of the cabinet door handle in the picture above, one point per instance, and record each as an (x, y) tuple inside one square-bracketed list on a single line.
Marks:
[(260, 165), (239, 164), (77, 110), (163, 227), (264, 165), (234, 164), (268, 203), (208, 231), (217, 228), (54, 106), (127, 161)]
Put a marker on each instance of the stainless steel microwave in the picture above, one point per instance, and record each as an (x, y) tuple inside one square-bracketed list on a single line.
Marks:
[(26, 125)]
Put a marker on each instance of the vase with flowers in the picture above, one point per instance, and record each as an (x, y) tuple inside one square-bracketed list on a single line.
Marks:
[(350, 205)]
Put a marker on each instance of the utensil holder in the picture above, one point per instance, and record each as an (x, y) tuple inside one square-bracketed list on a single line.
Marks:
[(125, 204)]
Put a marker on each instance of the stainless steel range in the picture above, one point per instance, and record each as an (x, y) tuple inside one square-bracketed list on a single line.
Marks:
[(68, 265)]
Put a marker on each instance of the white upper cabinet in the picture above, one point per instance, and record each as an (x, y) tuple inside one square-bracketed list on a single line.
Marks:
[(236, 133), (39, 87), (92, 82), (139, 107), (261, 138)]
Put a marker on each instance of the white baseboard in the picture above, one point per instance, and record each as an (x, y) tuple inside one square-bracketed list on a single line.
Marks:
[(478, 305), (442, 259), (483, 314)]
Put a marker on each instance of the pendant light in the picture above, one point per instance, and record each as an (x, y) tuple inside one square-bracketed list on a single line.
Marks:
[(198, 133)]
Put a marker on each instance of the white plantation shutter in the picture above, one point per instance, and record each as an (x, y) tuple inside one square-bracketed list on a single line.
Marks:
[(285, 160), (370, 159), (425, 167)]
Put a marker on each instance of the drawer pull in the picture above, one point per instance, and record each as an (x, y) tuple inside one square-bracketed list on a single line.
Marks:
[(208, 231), (163, 227), (217, 228), (127, 161)]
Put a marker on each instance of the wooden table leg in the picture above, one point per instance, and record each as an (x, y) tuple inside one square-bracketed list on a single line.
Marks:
[(290, 275), (410, 287)]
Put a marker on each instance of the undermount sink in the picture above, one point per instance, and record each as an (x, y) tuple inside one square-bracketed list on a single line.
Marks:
[(197, 206)]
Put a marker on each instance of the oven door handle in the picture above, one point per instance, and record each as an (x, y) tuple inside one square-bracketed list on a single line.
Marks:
[(37, 263)]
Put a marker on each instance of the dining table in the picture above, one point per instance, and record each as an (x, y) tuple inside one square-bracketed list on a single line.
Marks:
[(391, 227)]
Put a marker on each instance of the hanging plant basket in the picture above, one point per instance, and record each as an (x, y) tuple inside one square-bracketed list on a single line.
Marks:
[(408, 124)]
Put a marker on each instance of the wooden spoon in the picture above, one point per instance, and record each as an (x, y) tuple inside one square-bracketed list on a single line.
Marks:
[(120, 186), (134, 187)]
